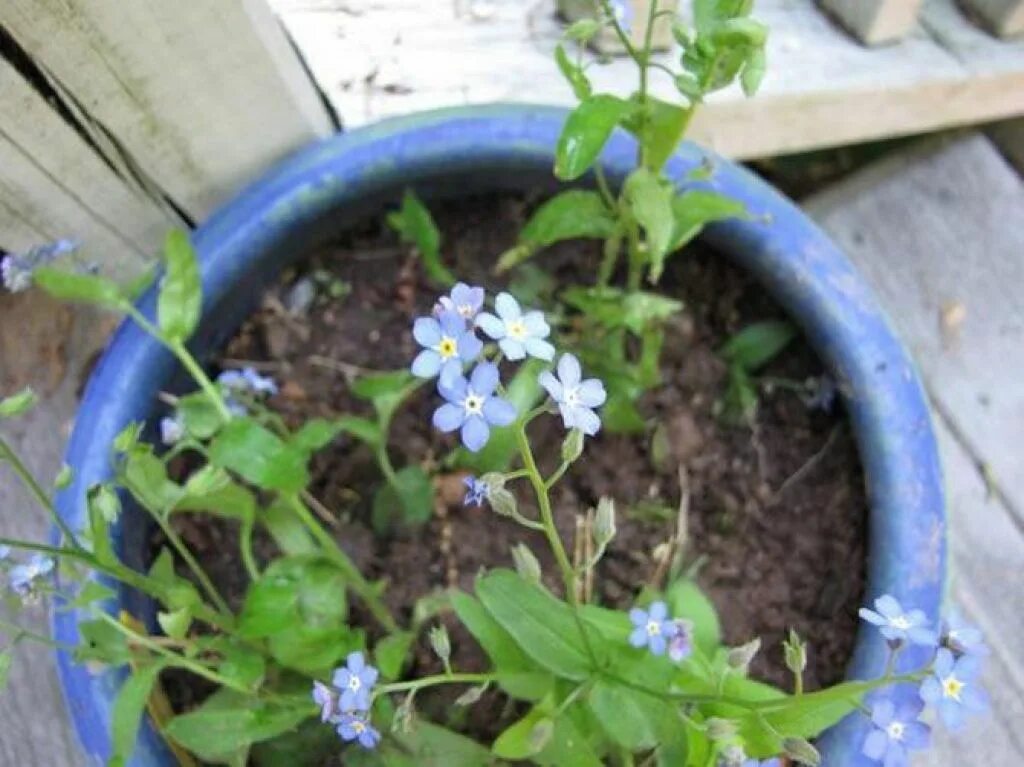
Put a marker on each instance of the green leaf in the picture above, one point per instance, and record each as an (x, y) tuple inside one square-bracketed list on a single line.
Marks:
[(228, 722), (258, 455), (520, 740), (430, 745), (409, 500), (128, 709), (575, 213), (81, 288), (241, 664), (181, 296), (739, 404), (106, 502), (64, 478), (583, 29), (101, 642), (287, 530), (631, 719), (753, 71), (585, 133), (650, 200), (739, 33), (416, 226), (307, 589), (757, 344), (362, 429), (145, 477), (385, 390), (175, 624), (314, 650), (696, 208), (686, 600), (179, 592), (542, 626), (18, 404), (636, 310), (99, 531), (573, 74), (316, 435), (199, 415), (392, 652), (660, 130), (92, 592)]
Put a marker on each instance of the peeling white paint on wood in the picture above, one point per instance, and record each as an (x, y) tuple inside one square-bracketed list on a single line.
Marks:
[(379, 58)]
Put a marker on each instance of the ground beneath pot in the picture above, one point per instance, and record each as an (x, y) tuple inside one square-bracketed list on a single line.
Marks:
[(776, 524)]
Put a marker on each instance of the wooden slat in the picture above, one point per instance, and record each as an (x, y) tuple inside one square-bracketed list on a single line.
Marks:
[(381, 58), (875, 21), (201, 95), (1003, 17)]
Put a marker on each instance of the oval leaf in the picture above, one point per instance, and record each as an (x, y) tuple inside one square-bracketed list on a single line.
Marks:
[(585, 133), (181, 296)]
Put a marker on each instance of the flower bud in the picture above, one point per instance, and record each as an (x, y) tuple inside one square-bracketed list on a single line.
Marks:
[(795, 651), (739, 658), (405, 715), (572, 445), (103, 499), (721, 729), (604, 522), (526, 563), (471, 696), (503, 502), (800, 750), (440, 642)]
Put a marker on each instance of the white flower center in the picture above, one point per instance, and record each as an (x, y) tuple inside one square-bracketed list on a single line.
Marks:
[(653, 628), (473, 404), (517, 330), (952, 687), (447, 348), (358, 727), (571, 397), (895, 730), (465, 310), (354, 683), (900, 622)]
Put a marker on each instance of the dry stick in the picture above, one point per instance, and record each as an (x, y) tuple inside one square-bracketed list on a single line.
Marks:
[(677, 544), (588, 557), (321, 511), (808, 466), (347, 369), (577, 556)]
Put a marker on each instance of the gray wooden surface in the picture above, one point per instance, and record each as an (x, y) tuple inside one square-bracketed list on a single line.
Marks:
[(936, 231)]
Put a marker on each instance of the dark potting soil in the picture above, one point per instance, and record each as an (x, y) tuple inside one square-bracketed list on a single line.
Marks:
[(776, 523)]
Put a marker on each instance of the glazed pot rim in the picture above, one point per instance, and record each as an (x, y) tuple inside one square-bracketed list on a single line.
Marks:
[(504, 146)]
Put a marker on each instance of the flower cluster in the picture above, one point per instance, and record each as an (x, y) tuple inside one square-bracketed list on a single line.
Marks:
[(951, 686), (652, 628), (475, 404), (247, 381), (346, 702), (24, 579), (16, 268)]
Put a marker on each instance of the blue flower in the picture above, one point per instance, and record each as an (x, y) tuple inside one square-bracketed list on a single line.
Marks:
[(464, 301), (895, 733), (622, 11), (5, 551), (652, 628), (327, 700), (447, 343), (961, 637), (355, 681), (171, 430), (16, 268), (896, 625), (953, 688), (680, 646), (517, 334), (472, 407), (576, 399), (22, 578), (477, 491), (247, 380), (773, 762), (359, 729)]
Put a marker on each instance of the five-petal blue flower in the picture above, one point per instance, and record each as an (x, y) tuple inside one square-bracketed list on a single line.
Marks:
[(652, 628), (355, 681), (961, 637), (472, 406), (247, 380), (464, 300), (22, 578), (953, 689), (518, 334), (327, 700), (352, 727), (448, 342), (898, 625), (576, 398), (476, 491), (895, 733)]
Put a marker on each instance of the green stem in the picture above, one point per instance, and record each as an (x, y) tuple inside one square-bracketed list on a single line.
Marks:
[(248, 558), (559, 473), (603, 188), (431, 681), (190, 561), (359, 585), (19, 632), (890, 664), (7, 453), (636, 259), (386, 467)]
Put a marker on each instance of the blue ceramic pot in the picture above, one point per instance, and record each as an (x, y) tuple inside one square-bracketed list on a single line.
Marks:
[(449, 153)]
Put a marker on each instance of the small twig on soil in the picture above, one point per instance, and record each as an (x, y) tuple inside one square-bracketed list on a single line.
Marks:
[(321, 511), (577, 555), (451, 568), (269, 366), (588, 557), (347, 369), (807, 467), (677, 545), (763, 468)]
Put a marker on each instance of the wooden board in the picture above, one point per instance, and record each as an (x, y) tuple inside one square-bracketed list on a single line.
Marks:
[(198, 97), (379, 58)]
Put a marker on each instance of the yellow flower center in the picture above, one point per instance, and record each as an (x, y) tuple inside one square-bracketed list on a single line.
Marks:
[(895, 730), (517, 330), (653, 628), (474, 404), (952, 687), (447, 348), (358, 727)]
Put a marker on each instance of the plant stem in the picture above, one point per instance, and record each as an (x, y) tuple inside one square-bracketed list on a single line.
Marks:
[(430, 681), (362, 588), (19, 632), (248, 558), (7, 453)]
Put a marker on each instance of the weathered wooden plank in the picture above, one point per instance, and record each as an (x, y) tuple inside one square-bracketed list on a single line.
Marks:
[(934, 231), (389, 57), (1009, 137), (200, 96), (1003, 17), (875, 21), (53, 185)]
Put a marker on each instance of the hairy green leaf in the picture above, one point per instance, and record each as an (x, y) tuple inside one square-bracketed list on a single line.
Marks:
[(260, 456), (585, 133), (181, 295), (408, 500), (696, 208), (650, 201), (416, 226), (129, 706), (757, 344), (81, 288)]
